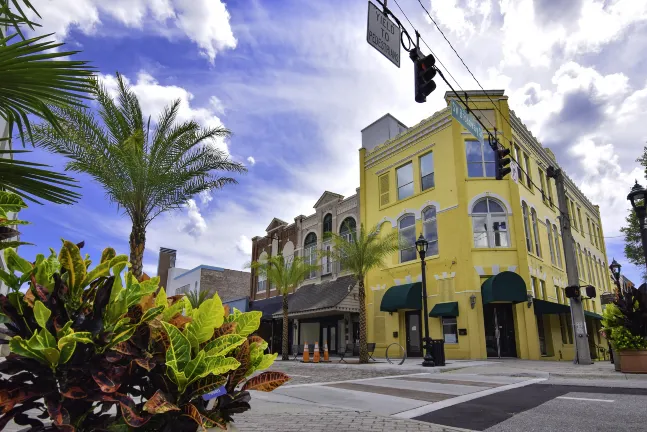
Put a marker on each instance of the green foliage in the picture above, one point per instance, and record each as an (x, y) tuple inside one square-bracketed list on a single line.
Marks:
[(83, 343), (9, 203), (284, 274), (196, 298), (623, 339)]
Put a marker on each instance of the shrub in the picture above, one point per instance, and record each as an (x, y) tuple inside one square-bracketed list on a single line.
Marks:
[(86, 340)]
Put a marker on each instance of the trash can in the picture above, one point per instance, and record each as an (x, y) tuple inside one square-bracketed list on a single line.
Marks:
[(438, 351)]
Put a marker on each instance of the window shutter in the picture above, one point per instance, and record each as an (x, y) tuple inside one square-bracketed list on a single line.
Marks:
[(384, 190)]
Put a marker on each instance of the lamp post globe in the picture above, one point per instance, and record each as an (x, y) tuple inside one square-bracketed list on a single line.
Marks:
[(638, 199), (615, 271), (421, 245)]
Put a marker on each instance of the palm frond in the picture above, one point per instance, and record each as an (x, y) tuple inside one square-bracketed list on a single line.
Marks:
[(197, 297), (10, 19), (32, 81), (30, 181), (285, 274)]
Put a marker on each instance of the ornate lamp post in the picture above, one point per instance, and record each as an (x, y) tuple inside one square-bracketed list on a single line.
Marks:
[(638, 199), (422, 244), (615, 271)]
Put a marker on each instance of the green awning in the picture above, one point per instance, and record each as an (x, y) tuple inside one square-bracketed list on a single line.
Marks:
[(444, 309), (543, 307), (504, 287), (592, 315), (407, 296)]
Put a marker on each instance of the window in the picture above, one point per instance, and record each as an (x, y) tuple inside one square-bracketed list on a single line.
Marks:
[(384, 189), (430, 229), (558, 294), (551, 247), (533, 286), (558, 247), (262, 283), (542, 184), (427, 172), (579, 221), (580, 263), (587, 257), (526, 159), (549, 188), (183, 289), (597, 274), (407, 234), (601, 240), (404, 175), (450, 330), (573, 215), (526, 226), (594, 233), (517, 152), (347, 229), (566, 328), (489, 224), (535, 231), (480, 159), (542, 289), (310, 252), (327, 224), (588, 227)]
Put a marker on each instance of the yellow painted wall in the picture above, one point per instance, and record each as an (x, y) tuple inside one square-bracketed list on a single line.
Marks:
[(457, 272)]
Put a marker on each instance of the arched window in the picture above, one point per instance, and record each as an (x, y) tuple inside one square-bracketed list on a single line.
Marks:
[(489, 224), (526, 226), (310, 252), (588, 264), (327, 223), (261, 286), (580, 263), (535, 231), (430, 229), (558, 247), (407, 233), (347, 229), (550, 242)]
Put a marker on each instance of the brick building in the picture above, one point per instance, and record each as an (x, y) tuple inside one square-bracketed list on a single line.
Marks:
[(325, 307)]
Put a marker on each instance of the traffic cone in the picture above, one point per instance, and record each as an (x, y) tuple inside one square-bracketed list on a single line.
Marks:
[(315, 357), (326, 359), (306, 354)]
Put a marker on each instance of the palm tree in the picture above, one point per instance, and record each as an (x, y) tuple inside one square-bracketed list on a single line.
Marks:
[(196, 297), (285, 275), (32, 80), (144, 171), (360, 253)]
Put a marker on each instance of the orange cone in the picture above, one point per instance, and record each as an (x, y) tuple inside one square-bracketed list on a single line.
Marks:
[(306, 354), (326, 352), (315, 357)]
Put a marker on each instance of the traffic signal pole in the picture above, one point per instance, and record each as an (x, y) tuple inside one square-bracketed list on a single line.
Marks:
[(582, 352)]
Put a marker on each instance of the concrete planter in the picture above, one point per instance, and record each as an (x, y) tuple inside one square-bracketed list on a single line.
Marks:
[(633, 361)]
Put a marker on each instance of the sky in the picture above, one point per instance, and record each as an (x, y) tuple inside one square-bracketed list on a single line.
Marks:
[(295, 81)]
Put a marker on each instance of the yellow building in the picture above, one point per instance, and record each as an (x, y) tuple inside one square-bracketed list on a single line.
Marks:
[(495, 253)]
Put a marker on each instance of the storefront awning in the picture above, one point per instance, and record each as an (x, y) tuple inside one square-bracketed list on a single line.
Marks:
[(504, 287), (543, 307), (407, 296), (592, 315), (444, 309)]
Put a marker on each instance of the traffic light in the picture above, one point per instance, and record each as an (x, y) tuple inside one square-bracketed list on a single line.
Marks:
[(424, 71), (590, 291), (572, 291), (502, 162)]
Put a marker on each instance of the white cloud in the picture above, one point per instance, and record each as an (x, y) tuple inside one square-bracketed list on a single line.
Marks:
[(205, 22), (205, 197), (244, 245), (153, 97), (195, 225), (251, 160)]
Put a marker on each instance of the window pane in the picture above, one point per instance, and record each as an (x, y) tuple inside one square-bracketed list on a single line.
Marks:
[(408, 254), (428, 181), (479, 223), (488, 153), (405, 191), (431, 231), (429, 213), (407, 221), (433, 248), (405, 174), (480, 207), (427, 164), (490, 169), (495, 207), (450, 330), (473, 151), (475, 170)]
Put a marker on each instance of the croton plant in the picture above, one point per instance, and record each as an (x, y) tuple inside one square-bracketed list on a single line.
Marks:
[(85, 341)]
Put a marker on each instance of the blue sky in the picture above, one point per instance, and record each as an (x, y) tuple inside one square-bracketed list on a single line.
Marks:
[(295, 81)]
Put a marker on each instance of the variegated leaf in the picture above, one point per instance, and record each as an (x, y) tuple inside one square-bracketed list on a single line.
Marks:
[(266, 382)]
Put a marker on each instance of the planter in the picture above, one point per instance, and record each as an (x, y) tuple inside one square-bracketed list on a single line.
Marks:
[(633, 361)]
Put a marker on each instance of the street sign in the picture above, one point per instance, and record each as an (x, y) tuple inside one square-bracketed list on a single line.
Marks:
[(467, 120), (383, 34), (514, 173)]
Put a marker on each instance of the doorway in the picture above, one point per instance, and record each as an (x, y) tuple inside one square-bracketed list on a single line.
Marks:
[(329, 336), (499, 330), (414, 333)]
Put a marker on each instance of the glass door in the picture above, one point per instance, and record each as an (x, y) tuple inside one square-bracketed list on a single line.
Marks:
[(414, 334), (499, 330), (329, 336)]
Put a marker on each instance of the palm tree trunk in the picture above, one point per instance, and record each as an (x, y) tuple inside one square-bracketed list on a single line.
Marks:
[(285, 349), (137, 244), (363, 350)]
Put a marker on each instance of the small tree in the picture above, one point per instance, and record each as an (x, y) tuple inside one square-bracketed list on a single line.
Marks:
[(360, 253), (286, 275), (197, 297)]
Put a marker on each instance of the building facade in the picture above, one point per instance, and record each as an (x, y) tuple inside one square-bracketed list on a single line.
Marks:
[(495, 265), (324, 308)]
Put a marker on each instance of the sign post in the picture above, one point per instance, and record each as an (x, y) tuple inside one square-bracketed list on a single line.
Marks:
[(383, 34), (468, 121)]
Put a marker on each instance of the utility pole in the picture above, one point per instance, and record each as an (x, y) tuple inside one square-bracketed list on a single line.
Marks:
[(582, 352)]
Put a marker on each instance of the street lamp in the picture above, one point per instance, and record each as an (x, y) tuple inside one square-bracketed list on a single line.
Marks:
[(422, 244), (638, 200), (615, 271)]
